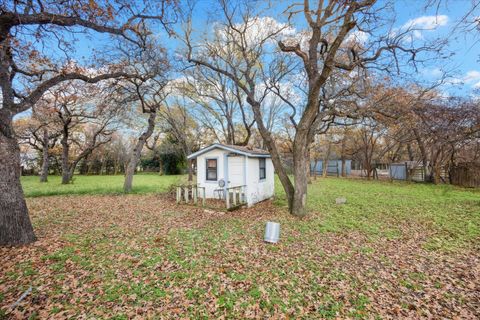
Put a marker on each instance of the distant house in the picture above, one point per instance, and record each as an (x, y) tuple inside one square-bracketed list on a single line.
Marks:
[(411, 170), (221, 168), (334, 167)]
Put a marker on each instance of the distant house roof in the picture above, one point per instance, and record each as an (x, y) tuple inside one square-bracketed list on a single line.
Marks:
[(243, 150), (409, 164)]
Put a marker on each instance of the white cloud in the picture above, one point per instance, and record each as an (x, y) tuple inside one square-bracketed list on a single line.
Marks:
[(471, 78), (432, 72), (259, 29), (421, 24), (426, 22), (358, 36), (262, 27)]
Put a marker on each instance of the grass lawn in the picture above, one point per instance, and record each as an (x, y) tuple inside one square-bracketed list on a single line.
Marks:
[(142, 183), (394, 250)]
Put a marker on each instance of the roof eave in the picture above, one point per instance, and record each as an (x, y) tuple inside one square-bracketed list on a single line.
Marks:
[(220, 146)]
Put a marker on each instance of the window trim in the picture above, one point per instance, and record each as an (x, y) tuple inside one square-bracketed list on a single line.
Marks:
[(260, 168), (206, 170)]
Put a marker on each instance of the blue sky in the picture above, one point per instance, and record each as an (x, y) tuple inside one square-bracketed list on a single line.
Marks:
[(463, 65), (463, 48)]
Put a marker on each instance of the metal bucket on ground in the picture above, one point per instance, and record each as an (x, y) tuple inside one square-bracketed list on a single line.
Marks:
[(272, 232)]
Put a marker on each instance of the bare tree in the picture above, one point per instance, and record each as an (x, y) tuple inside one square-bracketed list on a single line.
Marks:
[(40, 132), (178, 121), (85, 120), (221, 105), (149, 95)]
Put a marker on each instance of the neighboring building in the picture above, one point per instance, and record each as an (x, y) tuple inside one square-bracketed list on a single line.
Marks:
[(334, 167), (409, 170), (220, 167)]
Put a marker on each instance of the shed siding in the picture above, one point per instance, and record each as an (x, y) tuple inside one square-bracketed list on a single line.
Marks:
[(210, 186), (258, 190)]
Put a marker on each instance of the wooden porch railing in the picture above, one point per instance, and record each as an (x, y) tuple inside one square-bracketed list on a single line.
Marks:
[(191, 192), (235, 197)]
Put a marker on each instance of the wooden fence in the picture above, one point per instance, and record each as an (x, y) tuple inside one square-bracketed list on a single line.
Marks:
[(235, 197), (190, 193), (465, 175)]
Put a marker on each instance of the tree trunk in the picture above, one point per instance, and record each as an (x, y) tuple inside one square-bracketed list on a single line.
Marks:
[(103, 167), (410, 152), (269, 142), (15, 225), (190, 171), (65, 152), (137, 151), (436, 174), (115, 167), (342, 157), (160, 169), (300, 172), (44, 172), (325, 160), (423, 153), (127, 185)]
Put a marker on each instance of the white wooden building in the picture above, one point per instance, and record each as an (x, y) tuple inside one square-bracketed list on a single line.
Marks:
[(222, 168)]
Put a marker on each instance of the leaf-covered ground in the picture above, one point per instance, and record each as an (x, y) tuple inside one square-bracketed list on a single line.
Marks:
[(393, 251)]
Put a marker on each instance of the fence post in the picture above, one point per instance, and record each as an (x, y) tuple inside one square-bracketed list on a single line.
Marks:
[(203, 198), (179, 192), (228, 199), (186, 194), (195, 194)]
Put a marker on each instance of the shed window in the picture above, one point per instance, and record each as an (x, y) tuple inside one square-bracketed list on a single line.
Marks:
[(263, 168), (212, 169)]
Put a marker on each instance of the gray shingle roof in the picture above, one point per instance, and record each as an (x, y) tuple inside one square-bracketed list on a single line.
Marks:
[(247, 149)]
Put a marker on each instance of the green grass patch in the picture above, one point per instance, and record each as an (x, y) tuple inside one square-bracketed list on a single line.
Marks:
[(106, 184), (448, 216)]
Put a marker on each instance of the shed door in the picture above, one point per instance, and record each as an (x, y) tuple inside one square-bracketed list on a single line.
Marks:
[(236, 170)]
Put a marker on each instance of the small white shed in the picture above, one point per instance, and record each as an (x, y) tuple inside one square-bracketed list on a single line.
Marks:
[(220, 167)]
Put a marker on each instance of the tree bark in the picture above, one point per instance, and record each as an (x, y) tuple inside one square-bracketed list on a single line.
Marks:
[(343, 157), (137, 151), (410, 152), (160, 169), (326, 160), (45, 145), (65, 152), (423, 153), (15, 225), (190, 171), (300, 171), (272, 148)]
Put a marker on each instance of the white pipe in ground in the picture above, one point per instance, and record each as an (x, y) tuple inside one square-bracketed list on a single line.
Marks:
[(272, 232)]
